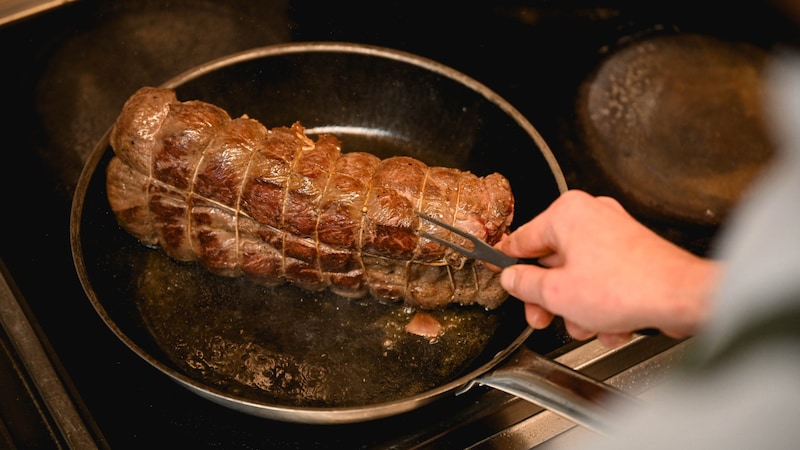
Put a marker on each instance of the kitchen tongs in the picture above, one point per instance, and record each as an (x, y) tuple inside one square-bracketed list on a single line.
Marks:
[(481, 250)]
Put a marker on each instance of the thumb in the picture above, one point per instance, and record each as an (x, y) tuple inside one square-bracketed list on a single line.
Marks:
[(524, 282)]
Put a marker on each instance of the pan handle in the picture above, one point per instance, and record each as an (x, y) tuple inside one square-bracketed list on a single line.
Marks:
[(558, 388)]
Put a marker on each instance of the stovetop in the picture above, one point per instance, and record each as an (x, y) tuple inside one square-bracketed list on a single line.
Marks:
[(67, 72)]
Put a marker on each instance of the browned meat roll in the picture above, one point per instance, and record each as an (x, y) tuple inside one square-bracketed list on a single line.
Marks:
[(276, 206)]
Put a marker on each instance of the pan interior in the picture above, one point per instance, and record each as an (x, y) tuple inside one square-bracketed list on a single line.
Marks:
[(278, 345), (282, 346)]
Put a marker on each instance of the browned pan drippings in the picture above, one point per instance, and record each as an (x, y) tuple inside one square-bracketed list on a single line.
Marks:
[(294, 347)]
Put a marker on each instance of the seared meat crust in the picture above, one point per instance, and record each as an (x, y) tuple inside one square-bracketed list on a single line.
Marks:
[(276, 206)]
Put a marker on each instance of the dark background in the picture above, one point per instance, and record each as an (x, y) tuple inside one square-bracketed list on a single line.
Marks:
[(67, 72)]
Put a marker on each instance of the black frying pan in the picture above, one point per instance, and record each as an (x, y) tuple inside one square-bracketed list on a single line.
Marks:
[(288, 354)]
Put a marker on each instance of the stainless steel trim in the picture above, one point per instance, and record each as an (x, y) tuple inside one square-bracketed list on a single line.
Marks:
[(550, 431), (38, 365), (13, 10)]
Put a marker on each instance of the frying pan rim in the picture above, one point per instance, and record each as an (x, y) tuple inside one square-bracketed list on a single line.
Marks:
[(299, 414), (387, 53)]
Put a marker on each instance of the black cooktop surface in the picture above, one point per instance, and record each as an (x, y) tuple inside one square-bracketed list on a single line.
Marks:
[(68, 70)]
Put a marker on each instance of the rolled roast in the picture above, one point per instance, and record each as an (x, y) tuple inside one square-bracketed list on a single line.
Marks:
[(276, 206)]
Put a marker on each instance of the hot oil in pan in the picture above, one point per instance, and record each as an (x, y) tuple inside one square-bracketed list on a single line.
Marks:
[(283, 345), (288, 346)]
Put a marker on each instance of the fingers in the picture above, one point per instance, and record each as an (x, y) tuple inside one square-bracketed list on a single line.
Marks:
[(524, 282), (577, 331), (543, 235), (612, 340), (551, 260), (531, 240), (612, 202), (609, 340), (575, 277), (537, 317)]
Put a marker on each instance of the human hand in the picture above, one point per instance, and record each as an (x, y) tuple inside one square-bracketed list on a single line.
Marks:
[(605, 273)]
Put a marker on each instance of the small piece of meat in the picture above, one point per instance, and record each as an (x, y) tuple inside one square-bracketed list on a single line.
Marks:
[(424, 324), (277, 206)]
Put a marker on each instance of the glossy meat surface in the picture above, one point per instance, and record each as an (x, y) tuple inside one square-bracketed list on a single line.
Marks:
[(276, 206)]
